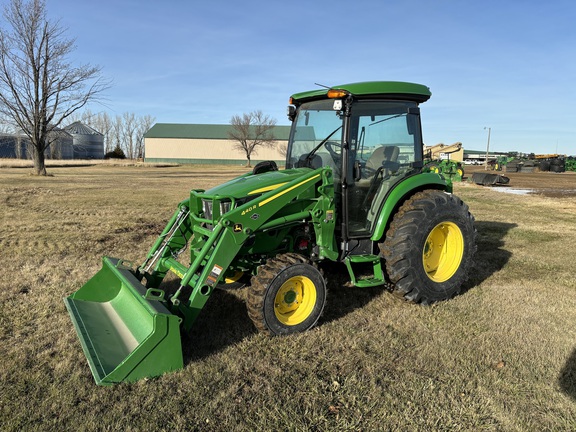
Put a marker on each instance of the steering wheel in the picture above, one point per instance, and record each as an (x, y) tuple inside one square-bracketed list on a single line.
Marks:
[(330, 146)]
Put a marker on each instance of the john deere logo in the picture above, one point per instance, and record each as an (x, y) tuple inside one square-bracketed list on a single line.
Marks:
[(237, 228)]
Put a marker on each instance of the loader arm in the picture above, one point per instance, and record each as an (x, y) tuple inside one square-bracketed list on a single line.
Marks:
[(216, 241), (128, 326)]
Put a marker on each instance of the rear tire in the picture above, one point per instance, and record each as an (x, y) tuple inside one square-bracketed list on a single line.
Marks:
[(287, 295), (429, 247), (460, 171)]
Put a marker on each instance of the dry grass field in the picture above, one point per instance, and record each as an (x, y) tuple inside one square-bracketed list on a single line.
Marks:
[(499, 357)]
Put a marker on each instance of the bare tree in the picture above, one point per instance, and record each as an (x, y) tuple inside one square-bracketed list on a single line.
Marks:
[(86, 117), (5, 127), (103, 124), (251, 131), (116, 133), (144, 124), (39, 88), (128, 134), (283, 149), (125, 132)]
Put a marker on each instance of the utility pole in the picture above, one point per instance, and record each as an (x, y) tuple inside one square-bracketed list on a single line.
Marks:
[(487, 150)]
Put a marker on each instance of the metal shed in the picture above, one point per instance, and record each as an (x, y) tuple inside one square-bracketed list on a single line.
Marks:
[(17, 146)]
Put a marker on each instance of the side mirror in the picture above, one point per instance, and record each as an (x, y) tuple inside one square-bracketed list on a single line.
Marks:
[(291, 112)]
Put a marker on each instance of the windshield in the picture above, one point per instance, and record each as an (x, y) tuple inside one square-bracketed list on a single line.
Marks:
[(316, 139)]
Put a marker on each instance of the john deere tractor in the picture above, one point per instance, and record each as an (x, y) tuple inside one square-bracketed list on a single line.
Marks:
[(354, 191), (437, 159)]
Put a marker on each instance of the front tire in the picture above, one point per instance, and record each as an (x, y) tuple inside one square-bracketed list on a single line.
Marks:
[(287, 295), (235, 281), (429, 247)]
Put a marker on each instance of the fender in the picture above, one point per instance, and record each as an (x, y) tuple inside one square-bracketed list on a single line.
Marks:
[(400, 193)]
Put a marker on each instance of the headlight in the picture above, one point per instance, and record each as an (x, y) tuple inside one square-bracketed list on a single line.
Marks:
[(207, 208), (225, 207)]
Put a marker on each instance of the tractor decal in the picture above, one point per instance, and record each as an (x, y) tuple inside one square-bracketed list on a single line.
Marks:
[(279, 194), (266, 189)]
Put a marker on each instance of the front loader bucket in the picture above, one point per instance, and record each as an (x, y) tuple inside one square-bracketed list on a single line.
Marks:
[(125, 337)]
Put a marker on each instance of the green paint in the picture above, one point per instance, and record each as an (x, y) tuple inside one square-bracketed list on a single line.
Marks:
[(394, 89), (129, 327)]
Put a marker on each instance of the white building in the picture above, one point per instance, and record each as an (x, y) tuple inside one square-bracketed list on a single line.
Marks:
[(206, 144)]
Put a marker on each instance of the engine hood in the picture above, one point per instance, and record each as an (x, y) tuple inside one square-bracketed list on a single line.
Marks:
[(256, 184)]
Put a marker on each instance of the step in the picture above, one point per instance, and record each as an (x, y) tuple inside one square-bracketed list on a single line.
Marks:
[(376, 279)]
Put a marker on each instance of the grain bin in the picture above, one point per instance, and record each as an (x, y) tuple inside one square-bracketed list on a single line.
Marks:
[(88, 143), (61, 145), (7, 146)]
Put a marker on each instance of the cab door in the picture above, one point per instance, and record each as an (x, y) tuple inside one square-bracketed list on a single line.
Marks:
[(384, 144)]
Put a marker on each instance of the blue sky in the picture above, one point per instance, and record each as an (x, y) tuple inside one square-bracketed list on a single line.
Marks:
[(507, 65)]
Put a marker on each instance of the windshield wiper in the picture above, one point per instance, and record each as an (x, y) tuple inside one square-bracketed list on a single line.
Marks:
[(387, 118), (315, 149)]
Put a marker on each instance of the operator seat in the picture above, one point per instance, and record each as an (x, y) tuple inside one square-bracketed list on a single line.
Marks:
[(384, 157)]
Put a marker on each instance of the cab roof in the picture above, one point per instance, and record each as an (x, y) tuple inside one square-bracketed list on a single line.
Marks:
[(371, 89)]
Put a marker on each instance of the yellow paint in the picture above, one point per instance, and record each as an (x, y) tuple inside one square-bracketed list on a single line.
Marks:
[(443, 251), (295, 300), (234, 278), (279, 194), (176, 272), (266, 189)]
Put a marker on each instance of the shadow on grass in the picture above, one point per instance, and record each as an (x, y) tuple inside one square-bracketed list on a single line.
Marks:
[(567, 378), (490, 258), (342, 298), (224, 320), (490, 255)]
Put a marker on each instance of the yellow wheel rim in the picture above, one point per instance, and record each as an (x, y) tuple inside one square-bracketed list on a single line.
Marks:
[(295, 300), (234, 278), (443, 251)]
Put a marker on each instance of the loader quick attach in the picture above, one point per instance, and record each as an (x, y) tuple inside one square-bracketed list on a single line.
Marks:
[(354, 191)]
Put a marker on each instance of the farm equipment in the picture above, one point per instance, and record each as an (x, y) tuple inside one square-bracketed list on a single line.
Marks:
[(489, 179), (541, 163), (498, 163), (554, 163), (354, 191), (440, 162)]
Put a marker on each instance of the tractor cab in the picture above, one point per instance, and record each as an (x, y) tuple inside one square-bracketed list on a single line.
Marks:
[(369, 134)]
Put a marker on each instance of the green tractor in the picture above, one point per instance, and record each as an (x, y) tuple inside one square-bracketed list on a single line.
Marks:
[(354, 191), (450, 169)]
